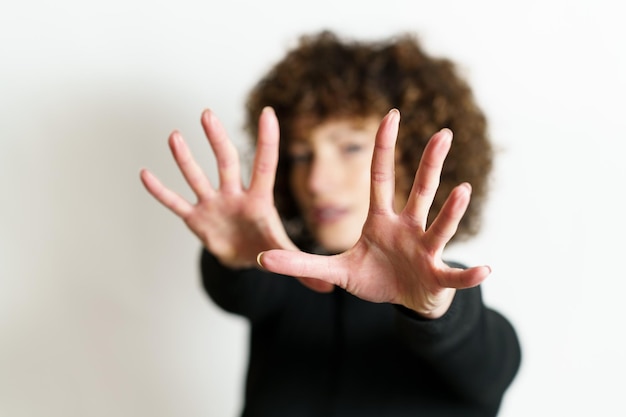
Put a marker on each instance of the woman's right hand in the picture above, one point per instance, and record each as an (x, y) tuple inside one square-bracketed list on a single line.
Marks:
[(233, 223)]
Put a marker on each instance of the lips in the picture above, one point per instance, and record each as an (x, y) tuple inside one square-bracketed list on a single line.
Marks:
[(328, 214)]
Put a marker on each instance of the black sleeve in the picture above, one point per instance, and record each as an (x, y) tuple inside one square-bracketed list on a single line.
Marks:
[(252, 293), (475, 350)]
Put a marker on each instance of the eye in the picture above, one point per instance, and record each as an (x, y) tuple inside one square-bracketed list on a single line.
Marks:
[(352, 148), (299, 157)]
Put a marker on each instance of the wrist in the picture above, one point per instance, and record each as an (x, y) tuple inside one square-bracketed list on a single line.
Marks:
[(436, 307)]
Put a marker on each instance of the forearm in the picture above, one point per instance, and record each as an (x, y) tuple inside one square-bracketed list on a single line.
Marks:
[(473, 348), (248, 292)]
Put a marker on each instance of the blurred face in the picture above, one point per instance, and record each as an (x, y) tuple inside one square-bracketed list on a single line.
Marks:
[(330, 179)]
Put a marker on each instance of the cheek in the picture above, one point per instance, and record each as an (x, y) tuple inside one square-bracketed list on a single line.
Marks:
[(361, 179), (364, 186)]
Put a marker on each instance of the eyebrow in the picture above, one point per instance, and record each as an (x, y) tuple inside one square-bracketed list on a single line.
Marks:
[(354, 126)]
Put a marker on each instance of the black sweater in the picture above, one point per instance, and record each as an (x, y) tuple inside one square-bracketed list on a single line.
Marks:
[(314, 354)]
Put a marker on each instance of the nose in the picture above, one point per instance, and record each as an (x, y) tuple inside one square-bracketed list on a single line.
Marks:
[(324, 174)]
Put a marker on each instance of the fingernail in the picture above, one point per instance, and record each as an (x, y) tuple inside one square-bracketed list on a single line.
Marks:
[(176, 137), (258, 259), (447, 132)]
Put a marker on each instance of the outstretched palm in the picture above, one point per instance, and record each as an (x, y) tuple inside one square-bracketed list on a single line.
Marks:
[(234, 223), (397, 258)]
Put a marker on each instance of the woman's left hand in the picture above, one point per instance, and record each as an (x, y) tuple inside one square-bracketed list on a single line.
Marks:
[(397, 259)]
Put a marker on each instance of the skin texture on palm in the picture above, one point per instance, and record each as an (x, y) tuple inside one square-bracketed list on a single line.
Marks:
[(397, 259), (232, 222)]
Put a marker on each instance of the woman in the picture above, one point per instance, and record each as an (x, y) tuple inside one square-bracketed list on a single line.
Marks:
[(375, 322)]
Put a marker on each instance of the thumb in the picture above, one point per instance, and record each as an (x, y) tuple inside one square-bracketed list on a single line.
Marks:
[(301, 265)]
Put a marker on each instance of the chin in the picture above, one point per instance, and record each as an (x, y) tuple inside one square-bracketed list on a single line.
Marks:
[(336, 245)]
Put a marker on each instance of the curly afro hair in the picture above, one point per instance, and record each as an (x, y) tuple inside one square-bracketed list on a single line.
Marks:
[(325, 77)]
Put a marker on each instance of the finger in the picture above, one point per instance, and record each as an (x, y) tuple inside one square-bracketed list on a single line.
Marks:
[(302, 265), (266, 156), (447, 221), (225, 152), (465, 278), (194, 175), (165, 196), (427, 177), (383, 175)]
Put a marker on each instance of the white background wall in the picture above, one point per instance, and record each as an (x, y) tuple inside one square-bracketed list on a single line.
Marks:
[(101, 311)]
